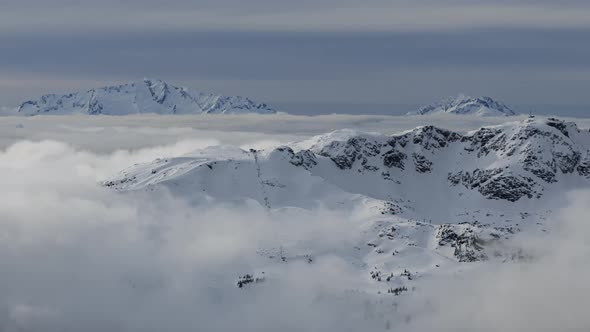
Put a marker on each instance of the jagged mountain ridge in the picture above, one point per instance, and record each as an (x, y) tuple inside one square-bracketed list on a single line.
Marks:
[(515, 161), (482, 106), (147, 96), (430, 199)]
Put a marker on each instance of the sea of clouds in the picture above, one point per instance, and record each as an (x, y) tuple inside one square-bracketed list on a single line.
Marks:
[(75, 256)]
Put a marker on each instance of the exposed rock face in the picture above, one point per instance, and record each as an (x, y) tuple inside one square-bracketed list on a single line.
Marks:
[(529, 151), (305, 159), (422, 164), (495, 184), (432, 138), (356, 148), (465, 241), (394, 158), (584, 168)]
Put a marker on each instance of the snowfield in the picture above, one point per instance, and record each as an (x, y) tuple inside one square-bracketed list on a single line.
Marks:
[(289, 223)]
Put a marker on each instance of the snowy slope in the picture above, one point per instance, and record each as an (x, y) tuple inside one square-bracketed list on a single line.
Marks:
[(147, 96), (483, 106), (519, 162), (428, 200)]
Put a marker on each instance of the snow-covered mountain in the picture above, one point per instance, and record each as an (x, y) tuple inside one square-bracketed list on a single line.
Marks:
[(511, 162), (431, 199), (147, 96), (483, 106)]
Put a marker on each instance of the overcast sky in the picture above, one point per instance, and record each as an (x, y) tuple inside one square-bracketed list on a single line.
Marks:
[(381, 52)]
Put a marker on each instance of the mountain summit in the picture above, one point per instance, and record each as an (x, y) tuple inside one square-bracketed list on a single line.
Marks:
[(517, 161), (146, 96), (483, 106), (431, 200)]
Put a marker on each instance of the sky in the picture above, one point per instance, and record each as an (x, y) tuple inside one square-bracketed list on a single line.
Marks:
[(333, 51)]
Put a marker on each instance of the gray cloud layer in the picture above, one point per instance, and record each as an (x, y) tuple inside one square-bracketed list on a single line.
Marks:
[(375, 15)]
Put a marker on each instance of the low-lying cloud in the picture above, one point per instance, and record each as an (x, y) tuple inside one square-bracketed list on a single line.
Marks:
[(76, 256), (264, 15), (545, 291)]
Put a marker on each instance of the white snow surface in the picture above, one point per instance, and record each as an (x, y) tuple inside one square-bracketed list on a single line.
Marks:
[(147, 96)]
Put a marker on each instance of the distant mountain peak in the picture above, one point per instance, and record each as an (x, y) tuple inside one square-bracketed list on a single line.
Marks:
[(463, 104), (146, 96)]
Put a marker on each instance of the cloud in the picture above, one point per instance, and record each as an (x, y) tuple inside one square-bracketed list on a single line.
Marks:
[(546, 292), (76, 256), (305, 16), (107, 134)]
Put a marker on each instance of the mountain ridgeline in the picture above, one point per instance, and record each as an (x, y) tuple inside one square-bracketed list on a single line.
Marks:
[(481, 106), (147, 96), (153, 96), (511, 162), (428, 200)]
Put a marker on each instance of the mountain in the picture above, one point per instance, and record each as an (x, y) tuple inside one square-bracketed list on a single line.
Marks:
[(482, 106), (511, 162), (147, 96), (430, 200)]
